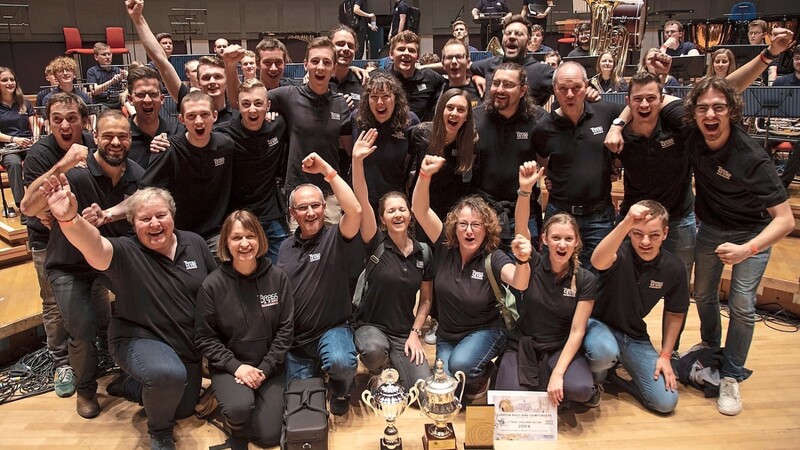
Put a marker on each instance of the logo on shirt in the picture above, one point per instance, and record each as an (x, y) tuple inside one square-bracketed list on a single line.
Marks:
[(335, 116), (454, 152), (476, 275), (273, 141), (569, 292), (399, 135), (656, 284), (313, 257), (356, 97), (421, 87), (190, 265), (723, 173), (420, 264), (668, 143), (219, 161), (522, 135), (597, 130), (268, 299)]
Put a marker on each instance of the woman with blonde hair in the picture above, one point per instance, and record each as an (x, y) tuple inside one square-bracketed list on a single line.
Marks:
[(722, 64), (607, 79)]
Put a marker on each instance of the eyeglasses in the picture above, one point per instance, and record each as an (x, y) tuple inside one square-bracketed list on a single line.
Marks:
[(719, 108), (753, 33), (305, 207), (141, 95), (505, 84), (476, 226)]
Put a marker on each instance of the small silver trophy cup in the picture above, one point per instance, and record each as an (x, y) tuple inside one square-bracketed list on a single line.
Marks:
[(390, 400)]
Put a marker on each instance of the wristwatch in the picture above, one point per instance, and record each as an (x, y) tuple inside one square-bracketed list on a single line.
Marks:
[(618, 122)]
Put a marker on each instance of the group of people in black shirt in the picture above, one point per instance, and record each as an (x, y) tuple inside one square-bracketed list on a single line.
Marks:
[(233, 180)]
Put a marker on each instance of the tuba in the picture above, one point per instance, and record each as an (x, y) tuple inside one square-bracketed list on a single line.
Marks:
[(606, 35)]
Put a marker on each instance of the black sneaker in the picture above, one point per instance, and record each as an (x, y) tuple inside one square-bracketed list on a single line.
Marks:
[(594, 401), (340, 405), (23, 219), (162, 442)]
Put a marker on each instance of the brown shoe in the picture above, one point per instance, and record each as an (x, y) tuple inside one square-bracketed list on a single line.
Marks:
[(87, 405)]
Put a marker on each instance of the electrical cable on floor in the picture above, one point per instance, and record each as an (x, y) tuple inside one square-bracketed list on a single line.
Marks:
[(773, 315)]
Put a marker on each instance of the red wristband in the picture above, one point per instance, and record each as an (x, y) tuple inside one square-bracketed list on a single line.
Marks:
[(423, 174), (329, 177), (753, 249), (667, 355)]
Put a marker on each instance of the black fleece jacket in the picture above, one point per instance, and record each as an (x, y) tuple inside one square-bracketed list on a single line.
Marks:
[(245, 319)]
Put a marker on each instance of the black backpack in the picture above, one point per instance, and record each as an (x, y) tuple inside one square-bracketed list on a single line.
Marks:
[(412, 21), (347, 16)]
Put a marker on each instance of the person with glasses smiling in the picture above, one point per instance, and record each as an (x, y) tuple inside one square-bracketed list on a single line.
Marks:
[(144, 89), (471, 330)]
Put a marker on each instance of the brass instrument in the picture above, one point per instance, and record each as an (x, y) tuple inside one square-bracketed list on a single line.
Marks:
[(608, 35), (495, 48)]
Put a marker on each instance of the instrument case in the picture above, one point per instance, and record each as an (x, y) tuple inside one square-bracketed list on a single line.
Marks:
[(306, 418)]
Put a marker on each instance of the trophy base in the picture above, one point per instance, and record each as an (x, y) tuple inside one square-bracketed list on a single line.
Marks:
[(396, 445), (431, 442)]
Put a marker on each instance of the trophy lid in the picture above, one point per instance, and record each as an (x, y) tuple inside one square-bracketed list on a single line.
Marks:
[(388, 391), (440, 382)]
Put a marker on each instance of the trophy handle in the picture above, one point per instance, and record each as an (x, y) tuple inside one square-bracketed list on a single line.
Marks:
[(366, 397), (413, 395), (419, 386), (463, 379)]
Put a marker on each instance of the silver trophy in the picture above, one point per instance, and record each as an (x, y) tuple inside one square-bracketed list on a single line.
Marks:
[(441, 404), (390, 400)]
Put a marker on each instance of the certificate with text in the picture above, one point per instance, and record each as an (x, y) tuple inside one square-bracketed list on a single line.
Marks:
[(523, 416)]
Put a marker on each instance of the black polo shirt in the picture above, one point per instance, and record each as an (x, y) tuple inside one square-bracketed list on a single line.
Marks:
[(548, 305), (504, 144), (471, 90), (12, 123), (631, 287), (736, 184), (199, 180), (393, 284), (318, 269), (100, 75), (657, 166), (422, 91), (540, 76), (464, 296), (83, 95), (223, 115), (580, 164), (90, 185), (256, 164), (386, 169), (350, 85), (140, 141), (42, 156), (155, 295), (315, 123), (446, 186)]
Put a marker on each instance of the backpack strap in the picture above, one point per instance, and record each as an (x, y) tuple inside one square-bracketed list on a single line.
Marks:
[(374, 259), (426, 254), (487, 264)]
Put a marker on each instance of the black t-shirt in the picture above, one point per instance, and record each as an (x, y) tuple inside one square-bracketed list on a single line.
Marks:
[(90, 185), (580, 164), (256, 164), (199, 180), (393, 284), (422, 91), (155, 296), (315, 123), (400, 8), (578, 51), (83, 95), (140, 141), (631, 287), (471, 90), (548, 305), (540, 76), (42, 156), (492, 6), (464, 297), (362, 21), (736, 184), (683, 49), (657, 166), (790, 79), (318, 271), (386, 169)]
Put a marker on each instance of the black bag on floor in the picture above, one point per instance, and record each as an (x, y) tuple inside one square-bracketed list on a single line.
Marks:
[(305, 421)]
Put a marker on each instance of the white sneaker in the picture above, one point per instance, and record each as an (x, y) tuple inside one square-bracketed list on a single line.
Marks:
[(729, 401), (430, 336)]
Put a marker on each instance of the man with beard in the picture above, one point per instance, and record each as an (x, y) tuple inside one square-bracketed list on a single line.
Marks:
[(456, 61), (505, 123), (516, 33), (313, 258), (210, 70), (145, 95), (579, 164), (344, 81), (260, 146), (196, 169), (67, 146), (422, 86), (106, 180), (584, 41)]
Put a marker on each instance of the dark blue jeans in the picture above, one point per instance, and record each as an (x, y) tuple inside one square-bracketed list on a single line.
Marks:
[(472, 355), (593, 228), (336, 356), (170, 387), (276, 231)]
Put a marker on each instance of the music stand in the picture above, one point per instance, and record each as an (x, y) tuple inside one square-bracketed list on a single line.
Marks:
[(687, 67), (588, 62), (769, 102), (8, 12), (539, 56), (185, 23), (742, 53)]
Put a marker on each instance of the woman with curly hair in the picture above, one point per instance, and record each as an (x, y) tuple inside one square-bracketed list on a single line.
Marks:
[(471, 330), (546, 352), (386, 110)]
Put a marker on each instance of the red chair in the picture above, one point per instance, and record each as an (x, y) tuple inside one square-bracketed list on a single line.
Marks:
[(74, 44), (115, 38)]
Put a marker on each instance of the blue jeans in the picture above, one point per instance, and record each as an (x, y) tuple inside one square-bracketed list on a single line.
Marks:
[(593, 228), (472, 355), (86, 310), (170, 387), (276, 231), (745, 279), (336, 355), (681, 241), (604, 346)]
